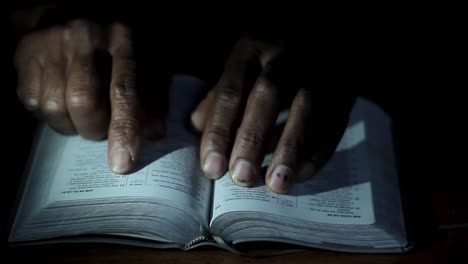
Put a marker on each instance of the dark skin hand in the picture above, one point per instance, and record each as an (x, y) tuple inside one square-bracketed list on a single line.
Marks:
[(59, 82), (315, 124)]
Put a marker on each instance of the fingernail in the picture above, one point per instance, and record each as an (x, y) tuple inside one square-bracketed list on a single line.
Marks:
[(280, 179), (121, 161), (243, 174), (52, 105), (214, 166)]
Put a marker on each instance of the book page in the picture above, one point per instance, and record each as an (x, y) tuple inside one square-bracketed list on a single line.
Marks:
[(167, 169), (341, 193)]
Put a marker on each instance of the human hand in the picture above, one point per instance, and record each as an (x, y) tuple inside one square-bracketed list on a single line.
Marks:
[(316, 120), (58, 80)]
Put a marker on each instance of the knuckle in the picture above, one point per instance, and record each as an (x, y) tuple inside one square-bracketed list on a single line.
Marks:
[(53, 108), (124, 124), (82, 102), (29, 101), (122, 128), (251, 138), (265, 89), (31, 104), (289, 147), (229, 96), (218, 133), (218, 136), (121, 93), (118, 92), (85, 72), (123, 88)]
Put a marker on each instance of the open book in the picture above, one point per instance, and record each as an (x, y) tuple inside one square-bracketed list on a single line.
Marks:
[(352, 205)]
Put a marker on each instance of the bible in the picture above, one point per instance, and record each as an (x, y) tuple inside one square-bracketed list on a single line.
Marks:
[(353, 204)]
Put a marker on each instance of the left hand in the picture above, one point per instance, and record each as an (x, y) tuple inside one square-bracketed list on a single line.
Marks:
[(260, 78), (60, 83)]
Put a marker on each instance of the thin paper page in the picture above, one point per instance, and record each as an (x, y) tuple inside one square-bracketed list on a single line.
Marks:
[(168, 169), (340, 194)]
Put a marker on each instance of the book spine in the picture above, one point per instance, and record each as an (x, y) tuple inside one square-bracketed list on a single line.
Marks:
[(196, 241)]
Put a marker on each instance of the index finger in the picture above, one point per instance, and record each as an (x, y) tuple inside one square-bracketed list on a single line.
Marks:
[(124, 136)]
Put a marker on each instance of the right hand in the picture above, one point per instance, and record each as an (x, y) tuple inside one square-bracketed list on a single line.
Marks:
[(237, 117), (59, 82)]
